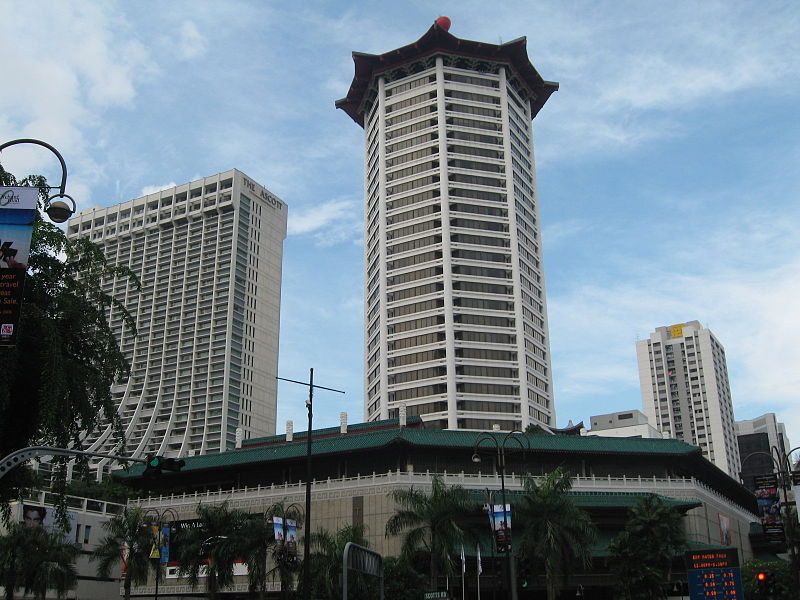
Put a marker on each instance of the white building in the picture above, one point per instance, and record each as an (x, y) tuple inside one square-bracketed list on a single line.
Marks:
[(769, 424), (455, 311), (204, 361), (628, 423), (685, 390)]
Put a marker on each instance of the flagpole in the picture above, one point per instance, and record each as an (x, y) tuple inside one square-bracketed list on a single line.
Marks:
[(480, 568)]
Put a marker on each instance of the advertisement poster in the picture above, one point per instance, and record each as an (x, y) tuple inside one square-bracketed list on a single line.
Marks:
[(277, 525), (291, 539), (796, 490), (17, 213), (501, 526), (769, 504), (724, 529)]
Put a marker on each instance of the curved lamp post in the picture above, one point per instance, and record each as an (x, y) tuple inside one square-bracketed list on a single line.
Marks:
[(159, 522), (55, 206), (782, 465), (500, 447)]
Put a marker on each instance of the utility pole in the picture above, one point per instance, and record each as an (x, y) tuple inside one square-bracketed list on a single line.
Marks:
[(307, 545)]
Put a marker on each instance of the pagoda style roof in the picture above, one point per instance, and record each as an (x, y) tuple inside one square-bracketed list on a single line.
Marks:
[(436, 39)]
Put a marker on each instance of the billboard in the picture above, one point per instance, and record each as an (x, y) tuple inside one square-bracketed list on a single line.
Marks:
[(769, 504), (18, 208)]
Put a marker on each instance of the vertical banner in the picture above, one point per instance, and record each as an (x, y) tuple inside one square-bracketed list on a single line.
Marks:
[(796, 489), (501, 527), (291, 539), (166, 530), (724, 530), (277, 526), (18, 207), (769, 504)]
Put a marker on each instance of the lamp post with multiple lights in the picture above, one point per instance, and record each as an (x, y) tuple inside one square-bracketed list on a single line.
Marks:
[(500, 447), (158, 539)]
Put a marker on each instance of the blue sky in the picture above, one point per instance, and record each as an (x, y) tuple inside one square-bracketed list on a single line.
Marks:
[(667, 162)]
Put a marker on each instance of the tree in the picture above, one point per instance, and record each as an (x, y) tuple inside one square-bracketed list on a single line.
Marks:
[(557, 535), (127, 539), (36, 559), (642, 553), (259, 546), (66, 357), (326, 554), (402, 581), (781, 577), (213, 546), (431, 522)]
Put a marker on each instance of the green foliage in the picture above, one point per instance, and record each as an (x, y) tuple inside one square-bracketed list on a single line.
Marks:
[(432, 522), (214, 545), (36, 559), (260, 549), (326, 554), (126, 532), (642, 553), (557, 534), (57, 381), (534, 428), (784, 589), (402, 581)]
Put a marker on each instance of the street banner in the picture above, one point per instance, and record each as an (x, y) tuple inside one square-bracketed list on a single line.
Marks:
[(166, 531), (769, 504), (291, 540), (277, 526), (724, 529), (18, 206), (500, 520)]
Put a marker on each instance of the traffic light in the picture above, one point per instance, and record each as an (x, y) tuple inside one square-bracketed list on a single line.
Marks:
[(156, 464), (764, 582), (524, 575)]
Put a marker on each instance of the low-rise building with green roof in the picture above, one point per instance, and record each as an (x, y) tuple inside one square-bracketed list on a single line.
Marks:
[(356, 468)]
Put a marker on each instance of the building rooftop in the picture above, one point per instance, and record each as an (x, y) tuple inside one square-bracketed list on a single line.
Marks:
[(436, 39)]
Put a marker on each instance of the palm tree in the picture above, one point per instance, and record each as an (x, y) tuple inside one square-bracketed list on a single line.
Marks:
[(36, 559), (431, 521), (127, 539), (213, 546), (557, 533), (51, 564), (326, 562), (259, 546), (642, 553)]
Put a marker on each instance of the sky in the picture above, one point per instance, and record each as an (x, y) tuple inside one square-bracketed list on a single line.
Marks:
[(667, 163)]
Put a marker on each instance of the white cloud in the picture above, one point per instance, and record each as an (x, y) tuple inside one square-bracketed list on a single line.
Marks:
[(193, 44), (331, 222), (741, 280), (152, 189)]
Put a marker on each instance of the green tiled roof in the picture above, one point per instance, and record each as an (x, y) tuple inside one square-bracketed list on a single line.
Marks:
[(386, 423), (358, 440)]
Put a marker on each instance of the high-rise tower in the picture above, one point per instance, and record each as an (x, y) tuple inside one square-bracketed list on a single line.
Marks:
[(685, 390), (204, 360), (455, 312)]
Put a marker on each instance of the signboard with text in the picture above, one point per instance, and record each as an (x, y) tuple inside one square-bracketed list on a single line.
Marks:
[(18, 206), (714, 574)]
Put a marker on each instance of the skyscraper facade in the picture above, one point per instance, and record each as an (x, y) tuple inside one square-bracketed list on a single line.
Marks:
[(761, 440), (686, 393), (205, 354), (455, 311)]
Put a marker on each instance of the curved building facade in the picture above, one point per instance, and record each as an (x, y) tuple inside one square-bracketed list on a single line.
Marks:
[(455, 310)]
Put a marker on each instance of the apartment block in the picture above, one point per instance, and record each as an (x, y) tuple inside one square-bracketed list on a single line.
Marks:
[(204, 357), (686, 393)]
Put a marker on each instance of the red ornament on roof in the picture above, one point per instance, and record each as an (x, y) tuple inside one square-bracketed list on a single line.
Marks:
[(443, 22)]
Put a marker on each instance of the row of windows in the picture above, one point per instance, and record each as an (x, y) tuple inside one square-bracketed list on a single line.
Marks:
[(480, 240), (415, 155), (414, 259), (474, 124), (420, 392), (471, 80), (420, 290), (484, 320), (415, 141), (412, 114), (410, 101), (412, 199), (471, 96), (473, 110), (484, 304), (486, 354), (414, 184), (413, 229), (485, 337), (410, 85), (414, 244), (481, 272), (486, 406), (476, 166), (414, 276), (413, 324), (416, 340), (479, 255), (405, 130), (412, 170), (475, 151), (408, 376), (416, 357)]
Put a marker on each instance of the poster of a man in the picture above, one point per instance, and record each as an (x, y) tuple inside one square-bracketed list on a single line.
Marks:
[(33, 516)]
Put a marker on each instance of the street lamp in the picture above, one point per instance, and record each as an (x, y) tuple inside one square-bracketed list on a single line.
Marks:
[(784, 474), (283, 556), (159, 524), (500, 447), (55, 206)]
